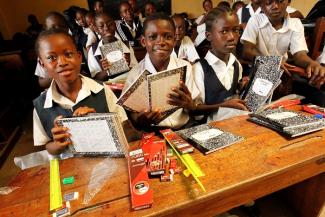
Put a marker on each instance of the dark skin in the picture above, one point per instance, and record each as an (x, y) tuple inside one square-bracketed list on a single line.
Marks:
[(106, 28), (159, 40), (126, 13), (275, 10)]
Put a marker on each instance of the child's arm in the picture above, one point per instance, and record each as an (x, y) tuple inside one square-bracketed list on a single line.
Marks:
[(103, 75), (145, 118), (314, 70), (250, 51)]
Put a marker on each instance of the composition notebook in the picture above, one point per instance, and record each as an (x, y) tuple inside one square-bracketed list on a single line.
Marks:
[(96, 135), (209, 139), (265, 78), (289, 122), (149, 91), (113, 52)]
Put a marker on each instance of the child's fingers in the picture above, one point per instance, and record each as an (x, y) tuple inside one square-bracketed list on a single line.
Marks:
[(55, 122), (184, 88), (289, 66), (64, 143), (315, 74), (61, 137)]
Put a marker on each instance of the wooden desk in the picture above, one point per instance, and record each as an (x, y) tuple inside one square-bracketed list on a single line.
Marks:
[(263, 163)]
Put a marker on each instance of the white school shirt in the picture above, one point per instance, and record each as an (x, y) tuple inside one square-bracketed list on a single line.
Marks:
[(94, 66), (269, 41), (186, 50), (179, 117), (52, 95), (200, 34), (199, 19), (321, 58), (290, 9), (91, 38), (250, 9), (224, 72)]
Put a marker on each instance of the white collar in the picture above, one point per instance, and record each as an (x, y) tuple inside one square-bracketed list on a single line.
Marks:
[(88, 86), (287, 24), (214, 60), (150, 67)]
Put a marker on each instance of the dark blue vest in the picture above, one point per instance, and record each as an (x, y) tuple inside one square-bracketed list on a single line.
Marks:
[(245, 15), (215, 92), (47, 115)]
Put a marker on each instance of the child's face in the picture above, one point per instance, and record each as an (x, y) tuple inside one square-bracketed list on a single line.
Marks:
[(180, 28), (207, 6), (275, 10), (80, 19), (159, 40), (224, 34), (126, 12), (98, 7), (54, 22), (106, 26), (91, 23), (149, 9), (60, 58)]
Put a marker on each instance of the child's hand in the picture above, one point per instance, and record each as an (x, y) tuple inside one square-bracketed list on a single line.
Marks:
[(105, 64), (61, 137), (127, 57), (180, 96), (286, 67), (146, 118), (316, 73), (83, 110), (243, 83), (234, 103)]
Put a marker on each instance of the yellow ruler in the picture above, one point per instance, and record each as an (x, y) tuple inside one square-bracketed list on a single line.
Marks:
[(55, 185), (192, 168)]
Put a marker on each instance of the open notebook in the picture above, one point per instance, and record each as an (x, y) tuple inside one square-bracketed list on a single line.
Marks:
[(96, 135), (149, 91)]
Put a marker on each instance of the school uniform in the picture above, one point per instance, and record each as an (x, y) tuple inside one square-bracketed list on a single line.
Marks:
[(92, 38), (199, 19), (247, 12), (186, 50), (94, 56), (179, 118), (200, 34), (129, 33), (51, 103), (215, 79), (321, 58), (269, 41)]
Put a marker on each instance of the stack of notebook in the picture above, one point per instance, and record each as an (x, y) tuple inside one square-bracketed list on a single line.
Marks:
[(288, 122)]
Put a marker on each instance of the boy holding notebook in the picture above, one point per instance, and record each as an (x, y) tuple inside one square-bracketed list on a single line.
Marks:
[(159, 39)]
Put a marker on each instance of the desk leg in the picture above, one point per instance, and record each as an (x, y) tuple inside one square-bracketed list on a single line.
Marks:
[(307, 198)]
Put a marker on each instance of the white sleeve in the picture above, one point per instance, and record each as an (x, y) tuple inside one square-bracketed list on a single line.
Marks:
[(91, 39), (39, 134), (112, 106), (199, 81), (298, 41), (239, 14), (191, 52), (40, 72), (190, 82), (321, 58), (93, 65), (250, 33)]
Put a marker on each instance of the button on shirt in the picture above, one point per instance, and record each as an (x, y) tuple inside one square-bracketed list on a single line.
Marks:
[(52, 95), (224, 72), (270, 41), (179, 117)]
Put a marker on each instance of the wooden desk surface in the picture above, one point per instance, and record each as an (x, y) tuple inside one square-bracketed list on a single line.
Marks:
[(263, 163)]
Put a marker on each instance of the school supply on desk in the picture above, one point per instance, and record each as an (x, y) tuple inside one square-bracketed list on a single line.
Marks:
[(141, 193), (178, 142), (55, 186), (209, 139), (288, 122), (192, 168), (149, 92), (265, 78), (96, 135), (113, 52), (314, 109), (154, 151)]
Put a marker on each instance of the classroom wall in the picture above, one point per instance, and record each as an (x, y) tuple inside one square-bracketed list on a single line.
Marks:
[(13, 13)]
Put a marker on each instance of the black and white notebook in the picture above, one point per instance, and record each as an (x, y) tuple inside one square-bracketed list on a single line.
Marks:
[(113, 52), (96, 135), (291, 132), (149, 91), (266, 77), (286, 119), (209, 139)]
